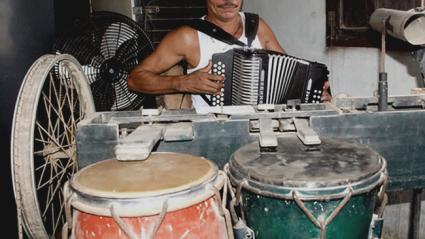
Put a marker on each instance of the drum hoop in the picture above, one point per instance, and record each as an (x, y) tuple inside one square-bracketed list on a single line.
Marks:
[(311, 194), (134, 207)]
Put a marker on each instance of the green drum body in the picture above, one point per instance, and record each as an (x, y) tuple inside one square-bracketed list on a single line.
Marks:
[(295, 191)]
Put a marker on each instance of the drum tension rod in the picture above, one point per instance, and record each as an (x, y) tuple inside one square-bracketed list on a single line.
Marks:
[(322, 223)]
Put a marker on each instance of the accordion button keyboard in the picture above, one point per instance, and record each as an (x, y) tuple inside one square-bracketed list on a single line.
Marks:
[(218, 69)]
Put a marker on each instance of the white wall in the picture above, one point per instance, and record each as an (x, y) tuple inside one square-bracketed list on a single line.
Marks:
[(300, 26)]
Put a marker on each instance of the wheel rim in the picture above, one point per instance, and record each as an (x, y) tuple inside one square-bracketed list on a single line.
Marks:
[(47, 112)]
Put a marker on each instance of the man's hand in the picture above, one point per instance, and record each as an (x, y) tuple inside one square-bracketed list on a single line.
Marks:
[(326, 96), (202, 82)]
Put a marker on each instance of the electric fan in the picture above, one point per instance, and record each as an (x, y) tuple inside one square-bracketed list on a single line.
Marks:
[(109, 46)]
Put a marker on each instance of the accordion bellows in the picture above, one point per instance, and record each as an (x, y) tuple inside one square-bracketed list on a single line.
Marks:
[(254, 76)]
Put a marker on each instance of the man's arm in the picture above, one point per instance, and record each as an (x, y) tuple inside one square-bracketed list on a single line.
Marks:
[(267, 38), (181, 44)]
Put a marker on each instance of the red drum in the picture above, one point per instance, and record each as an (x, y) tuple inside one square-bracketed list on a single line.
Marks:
[(167, 196)]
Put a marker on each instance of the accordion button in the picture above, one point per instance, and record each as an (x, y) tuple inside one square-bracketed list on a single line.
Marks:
[(215, 65), (219, 63)]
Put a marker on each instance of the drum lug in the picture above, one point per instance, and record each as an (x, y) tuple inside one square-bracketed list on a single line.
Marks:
[(242, 231), (376, 227)]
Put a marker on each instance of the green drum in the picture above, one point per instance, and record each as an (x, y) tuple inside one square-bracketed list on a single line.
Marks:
[(331, 190)]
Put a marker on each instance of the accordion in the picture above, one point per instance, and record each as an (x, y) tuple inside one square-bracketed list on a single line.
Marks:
[(254, 76)]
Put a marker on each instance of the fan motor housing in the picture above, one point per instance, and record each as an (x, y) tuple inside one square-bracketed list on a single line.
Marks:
[(112, 70)]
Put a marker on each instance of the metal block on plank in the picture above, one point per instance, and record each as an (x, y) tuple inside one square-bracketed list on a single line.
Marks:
[(139, 144), (267, 136), (305, 133), (178, 132)]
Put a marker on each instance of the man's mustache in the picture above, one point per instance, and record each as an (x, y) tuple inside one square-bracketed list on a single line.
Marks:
[(227, 4)]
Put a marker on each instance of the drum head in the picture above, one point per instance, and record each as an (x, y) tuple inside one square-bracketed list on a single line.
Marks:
[(161, 173), (333, 163)]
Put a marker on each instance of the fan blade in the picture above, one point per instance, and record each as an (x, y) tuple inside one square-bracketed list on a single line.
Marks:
[(128, 54), (127, 49), (124, 97), (103, 95), (91, 72), (83, 46), (114, 35)]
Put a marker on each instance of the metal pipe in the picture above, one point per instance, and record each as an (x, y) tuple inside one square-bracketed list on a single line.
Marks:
[(383, 48), (383, 82), (415, 214), (383, 91)]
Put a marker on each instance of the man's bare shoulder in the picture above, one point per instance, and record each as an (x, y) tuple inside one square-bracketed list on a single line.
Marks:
[(267, 37), (263, 27), (181, 43), (183, 34)]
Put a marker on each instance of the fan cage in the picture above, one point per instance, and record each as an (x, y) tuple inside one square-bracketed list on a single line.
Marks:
[(109, 46)]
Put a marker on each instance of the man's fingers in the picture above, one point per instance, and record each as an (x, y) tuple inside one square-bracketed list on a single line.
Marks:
[(216, 78), (207, 68), (211, 77), (212, 90), (326, 97), (326, 85), (213, 87)]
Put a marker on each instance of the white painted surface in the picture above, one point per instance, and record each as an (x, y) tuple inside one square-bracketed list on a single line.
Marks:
[(300, 27)]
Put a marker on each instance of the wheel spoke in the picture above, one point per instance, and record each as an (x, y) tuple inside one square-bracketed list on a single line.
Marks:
[(59, 117), (52, 138), (58, 175), (58, 138)]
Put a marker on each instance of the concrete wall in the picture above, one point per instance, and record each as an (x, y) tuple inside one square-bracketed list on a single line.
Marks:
[(300, 27)]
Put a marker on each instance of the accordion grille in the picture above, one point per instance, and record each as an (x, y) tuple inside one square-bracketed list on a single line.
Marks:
[(280, 73), (246, 72)]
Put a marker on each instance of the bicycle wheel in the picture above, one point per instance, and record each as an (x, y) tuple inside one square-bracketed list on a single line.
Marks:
[(43, 145)]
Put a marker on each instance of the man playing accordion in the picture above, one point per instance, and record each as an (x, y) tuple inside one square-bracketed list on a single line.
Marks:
[(196, 48)]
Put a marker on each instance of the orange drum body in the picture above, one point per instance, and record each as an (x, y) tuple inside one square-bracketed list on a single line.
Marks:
[(167, 196)]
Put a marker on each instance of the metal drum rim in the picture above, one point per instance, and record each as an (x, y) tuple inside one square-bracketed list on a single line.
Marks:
[(364, 185), (137, 206), (237, 166)]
